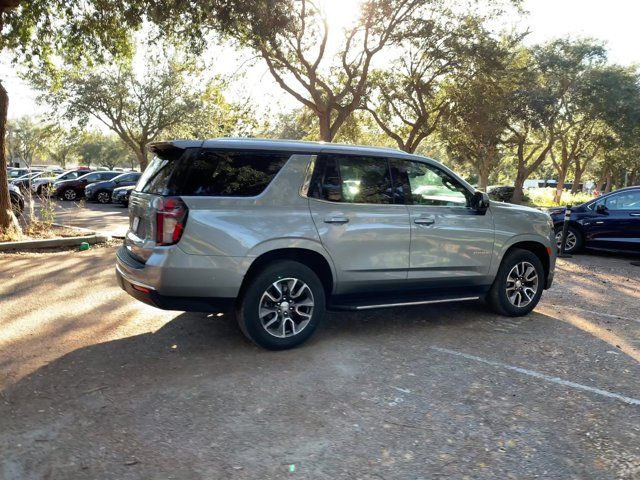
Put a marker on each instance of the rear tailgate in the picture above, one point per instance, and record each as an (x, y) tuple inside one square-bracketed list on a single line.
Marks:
[(156, 182)]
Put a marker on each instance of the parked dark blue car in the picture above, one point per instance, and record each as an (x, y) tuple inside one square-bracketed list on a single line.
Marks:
[(609, 222), (101, 191)]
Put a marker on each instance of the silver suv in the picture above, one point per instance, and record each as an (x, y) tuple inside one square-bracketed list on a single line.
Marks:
[(280, 231)]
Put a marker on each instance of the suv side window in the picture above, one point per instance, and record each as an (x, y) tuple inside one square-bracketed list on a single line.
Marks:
[(424, 184), (352, 179), (219, 173)]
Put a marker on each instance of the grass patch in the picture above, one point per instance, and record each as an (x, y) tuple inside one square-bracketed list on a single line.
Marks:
[(543, 197)]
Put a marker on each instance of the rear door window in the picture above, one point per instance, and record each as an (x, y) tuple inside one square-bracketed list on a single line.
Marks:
[(219, 173), (352, 179)]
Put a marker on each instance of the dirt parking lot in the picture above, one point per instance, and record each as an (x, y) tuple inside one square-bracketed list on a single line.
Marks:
[(96, 385)]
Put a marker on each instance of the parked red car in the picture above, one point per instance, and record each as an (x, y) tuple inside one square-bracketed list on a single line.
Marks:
[(74, 189)]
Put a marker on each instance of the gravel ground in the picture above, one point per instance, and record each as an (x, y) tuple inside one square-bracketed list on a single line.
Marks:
[(96, 385)]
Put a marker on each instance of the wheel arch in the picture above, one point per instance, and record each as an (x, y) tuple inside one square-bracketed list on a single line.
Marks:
[(535, 247), (572, 223), (313, 259)]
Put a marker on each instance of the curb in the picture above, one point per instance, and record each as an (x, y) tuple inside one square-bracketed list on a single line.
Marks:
[(53, 243), (82, 229)]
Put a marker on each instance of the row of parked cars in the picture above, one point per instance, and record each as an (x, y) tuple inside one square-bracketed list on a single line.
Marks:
[(95, 185)]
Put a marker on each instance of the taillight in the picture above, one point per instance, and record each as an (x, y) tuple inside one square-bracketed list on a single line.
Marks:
[(171, 216)]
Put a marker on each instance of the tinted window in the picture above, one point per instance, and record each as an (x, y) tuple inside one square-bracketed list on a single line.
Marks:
[(70, 175), (155, 178), (229, 173), (126, 177), (622, 201), (352, 179), (425, 184)]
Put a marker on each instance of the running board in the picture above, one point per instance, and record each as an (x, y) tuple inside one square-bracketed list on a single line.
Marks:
[(356, 306)]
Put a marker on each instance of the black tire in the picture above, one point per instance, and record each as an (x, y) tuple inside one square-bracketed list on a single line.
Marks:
[(570, 247), (104, 199), (70, 194), (247, 311), (498, 299)]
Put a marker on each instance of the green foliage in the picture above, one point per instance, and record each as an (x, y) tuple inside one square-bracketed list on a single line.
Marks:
[(481, 101), (78, 31), (215, 116), (26, 139), (544, 197), (99, 150), (137, 108)]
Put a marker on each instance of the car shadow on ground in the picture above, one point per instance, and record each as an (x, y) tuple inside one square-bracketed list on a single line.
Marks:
[(217, 341), (199, 342), (199, 382)]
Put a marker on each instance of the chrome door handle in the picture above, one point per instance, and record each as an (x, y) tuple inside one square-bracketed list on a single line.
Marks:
[(423, 221), (635, 214), (336, 219)]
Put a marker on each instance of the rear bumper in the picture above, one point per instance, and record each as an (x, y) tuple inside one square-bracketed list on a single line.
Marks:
[(151, 297), (173, 280)]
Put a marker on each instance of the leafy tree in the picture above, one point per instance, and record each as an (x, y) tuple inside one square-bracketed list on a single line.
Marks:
[(137, 110), (26, 139), (96, 148), (406, 99), (72, 30), (62, 144), (216, 116), (598, 113), (293, 39), (481, 101)]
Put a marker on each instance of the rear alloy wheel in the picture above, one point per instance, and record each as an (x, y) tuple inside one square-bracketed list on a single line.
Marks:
[(282, 305), (573, 243), (518, 285), (70, 194), (103, 197)]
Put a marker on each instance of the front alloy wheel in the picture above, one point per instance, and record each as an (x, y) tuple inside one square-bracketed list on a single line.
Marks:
[(518, 285), (522, 284)]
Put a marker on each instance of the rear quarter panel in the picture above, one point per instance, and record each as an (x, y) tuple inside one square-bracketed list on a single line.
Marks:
[(250, 226)]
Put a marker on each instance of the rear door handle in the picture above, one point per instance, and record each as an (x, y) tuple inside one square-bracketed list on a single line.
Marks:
[(423, 221), (635, 214), (336, 219)]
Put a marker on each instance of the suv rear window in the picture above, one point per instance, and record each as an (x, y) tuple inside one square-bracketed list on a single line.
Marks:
[(229, 173), (213, 173)]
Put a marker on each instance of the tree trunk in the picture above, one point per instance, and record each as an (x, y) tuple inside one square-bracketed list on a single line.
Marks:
[(324, 121), (562, 176), (483, 179), (518, 191), (576, 180), (609, 185), (601, 182), (141, 155), (7, 219)]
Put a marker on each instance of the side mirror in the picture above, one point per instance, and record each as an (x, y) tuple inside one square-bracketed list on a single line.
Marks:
[(601, 208), (480, 201)]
